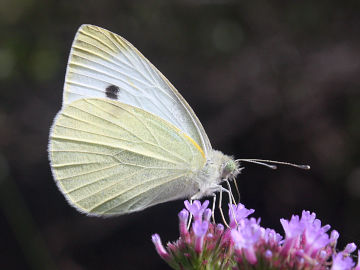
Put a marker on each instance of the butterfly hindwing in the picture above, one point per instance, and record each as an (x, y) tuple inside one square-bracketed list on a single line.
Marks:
[(110, 158)]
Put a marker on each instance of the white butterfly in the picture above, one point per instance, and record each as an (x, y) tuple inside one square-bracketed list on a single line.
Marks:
[(125, 139)]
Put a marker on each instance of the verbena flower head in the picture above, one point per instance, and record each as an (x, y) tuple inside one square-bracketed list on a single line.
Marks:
[(245, 244)]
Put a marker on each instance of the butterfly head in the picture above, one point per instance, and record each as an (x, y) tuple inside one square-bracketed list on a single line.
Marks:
[(230, 169)]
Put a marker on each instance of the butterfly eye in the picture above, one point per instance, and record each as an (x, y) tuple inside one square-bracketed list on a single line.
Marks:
[(229, 168)]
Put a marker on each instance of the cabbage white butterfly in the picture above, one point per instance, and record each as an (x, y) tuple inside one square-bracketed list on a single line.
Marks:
[(125, 139)]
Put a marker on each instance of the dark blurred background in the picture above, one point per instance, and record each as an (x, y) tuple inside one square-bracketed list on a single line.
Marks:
[(277, 80)]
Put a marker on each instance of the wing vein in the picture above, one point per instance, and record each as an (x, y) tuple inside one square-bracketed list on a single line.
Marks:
[(99, 179), (119, 50), (111, 68), (111, 146), (158, 145), (134, 187), (100, 72)]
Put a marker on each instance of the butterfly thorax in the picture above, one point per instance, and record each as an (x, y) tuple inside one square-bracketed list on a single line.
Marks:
[(218, 168)]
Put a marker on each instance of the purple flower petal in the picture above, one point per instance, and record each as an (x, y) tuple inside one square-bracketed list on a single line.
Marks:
[(183, 220), (268, 254), (238, 212), (219, 229), (196, 208), (236, 236), (323, 254), (250, 255), (310, 220), (306, 217), (207, 214), (200, 228), (334, 236), (272, 237), (247, 234), (341, 262), (315, 239), (292, 228), (159, 246), (350, 248)]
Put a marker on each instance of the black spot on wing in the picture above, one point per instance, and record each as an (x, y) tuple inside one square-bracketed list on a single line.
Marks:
[(112, 91)]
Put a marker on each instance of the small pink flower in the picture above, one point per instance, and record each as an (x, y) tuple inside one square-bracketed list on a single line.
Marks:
[(219, 230), (196, 208), (315, 239), (293, 230), (268, 254), (334, 236), (159, 247), (237, 213), (350, 248), (183, 220), (307, 244), (200, 228), (342, 262)]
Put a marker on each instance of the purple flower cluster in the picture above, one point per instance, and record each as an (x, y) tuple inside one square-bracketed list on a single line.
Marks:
[(247, 245)]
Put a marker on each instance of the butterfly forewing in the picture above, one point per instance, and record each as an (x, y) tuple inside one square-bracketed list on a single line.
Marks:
[(105, 65), (111, 158)]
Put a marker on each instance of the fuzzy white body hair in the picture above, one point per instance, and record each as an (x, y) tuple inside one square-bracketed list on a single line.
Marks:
[(210, 177)]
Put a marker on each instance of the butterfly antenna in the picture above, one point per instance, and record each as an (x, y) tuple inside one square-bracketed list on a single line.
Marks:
[(264, 162)]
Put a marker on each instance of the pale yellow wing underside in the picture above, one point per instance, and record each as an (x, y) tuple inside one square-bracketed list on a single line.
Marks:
[(105, 65), (111, 158)]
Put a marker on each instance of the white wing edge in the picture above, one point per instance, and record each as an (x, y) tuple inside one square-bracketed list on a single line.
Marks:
[(67, 198)]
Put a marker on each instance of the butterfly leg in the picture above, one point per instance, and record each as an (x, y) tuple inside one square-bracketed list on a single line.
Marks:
[(237, 190), (190, 217), (231, 208), (213, 208), (232, 196), (211, 191), (220, 209)]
